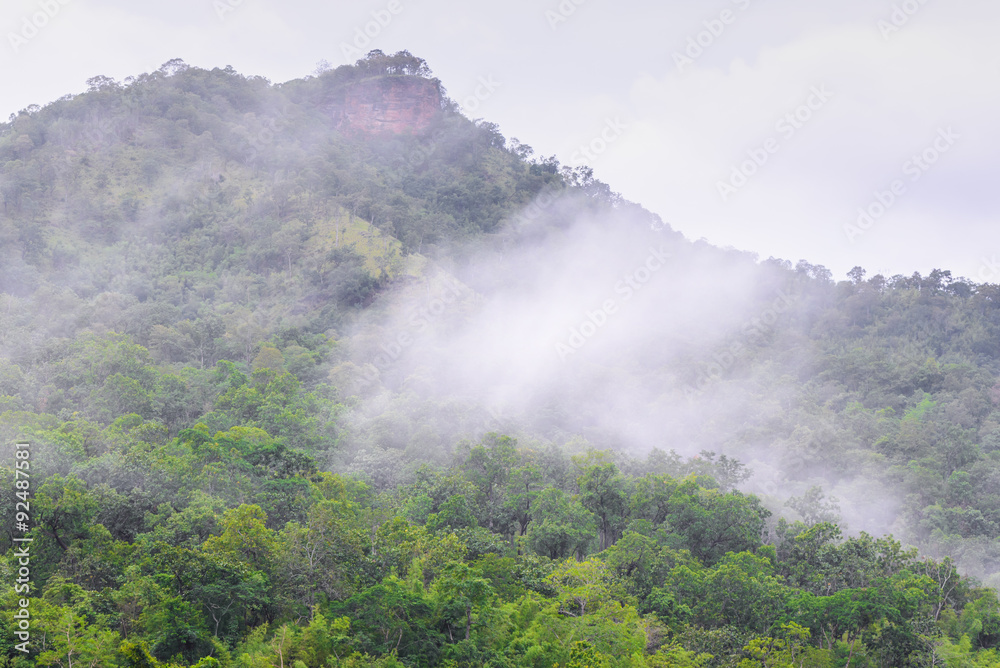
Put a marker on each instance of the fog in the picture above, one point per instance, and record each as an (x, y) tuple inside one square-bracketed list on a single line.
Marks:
[(605, 330)]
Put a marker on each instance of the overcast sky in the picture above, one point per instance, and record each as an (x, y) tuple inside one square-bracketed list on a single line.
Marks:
[(670, 97)]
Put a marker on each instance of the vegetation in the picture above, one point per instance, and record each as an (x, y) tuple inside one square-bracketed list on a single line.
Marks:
[(181, 253)]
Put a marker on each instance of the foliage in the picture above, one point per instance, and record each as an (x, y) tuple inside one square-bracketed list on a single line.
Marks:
[(182, 253)]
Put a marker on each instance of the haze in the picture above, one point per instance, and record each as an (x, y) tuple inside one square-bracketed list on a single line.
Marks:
[(613, 76)]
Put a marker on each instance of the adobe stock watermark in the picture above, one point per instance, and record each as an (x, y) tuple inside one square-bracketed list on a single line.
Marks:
[(32, 24), (263, 137), (714, 29), (628, 286), (223, 7), (915, 168), (588, 154), (901, 15), (756, 328), (484, 90), (787, 126), (562, 12), (424, 316), (22, 525), (545, 198), (989, 270), (421, 153), (364, 35), (99, 128)]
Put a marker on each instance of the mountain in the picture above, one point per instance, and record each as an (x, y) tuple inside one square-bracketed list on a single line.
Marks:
[(323, 373)]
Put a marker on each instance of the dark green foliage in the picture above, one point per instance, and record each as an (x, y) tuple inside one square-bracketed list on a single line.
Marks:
[(181, 253)]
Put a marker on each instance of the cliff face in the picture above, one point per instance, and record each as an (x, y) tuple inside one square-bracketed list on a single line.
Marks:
[(389, 105)]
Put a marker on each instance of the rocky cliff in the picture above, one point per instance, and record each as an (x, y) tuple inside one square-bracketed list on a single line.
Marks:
[(388, 105)]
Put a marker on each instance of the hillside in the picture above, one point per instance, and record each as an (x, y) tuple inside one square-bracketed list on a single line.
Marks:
[(323, 373)]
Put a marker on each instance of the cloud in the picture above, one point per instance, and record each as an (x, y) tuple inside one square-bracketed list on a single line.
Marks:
[(686, 129), (691, 128)]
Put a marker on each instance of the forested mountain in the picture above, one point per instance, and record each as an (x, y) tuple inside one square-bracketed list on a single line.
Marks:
[(324, 373)]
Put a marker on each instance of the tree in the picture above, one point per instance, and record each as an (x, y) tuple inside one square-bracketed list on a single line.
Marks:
[(523, 488), (638, 561), (651, 498), (726, 471), (63, 512), (559, 527), (742, 590), (710, 524), (489, 466), (778, 652), (245, 330), (586, 609), (455, 513), (136, 655), (72, 642), (462, 586), (231, 594), (602, 492), (813, 509), (848, 613), (857, 274), (269, 357), (177, 627), (320, 558), (675, 656), (394, 618), (245, 537)]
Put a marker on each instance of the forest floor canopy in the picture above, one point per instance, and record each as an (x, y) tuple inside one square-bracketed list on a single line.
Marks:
[(297, 396)]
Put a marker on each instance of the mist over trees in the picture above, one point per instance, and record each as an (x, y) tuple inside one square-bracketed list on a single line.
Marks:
[(295, 397)]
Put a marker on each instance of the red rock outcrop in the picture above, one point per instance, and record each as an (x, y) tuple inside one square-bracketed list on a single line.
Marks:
[(389, 105)]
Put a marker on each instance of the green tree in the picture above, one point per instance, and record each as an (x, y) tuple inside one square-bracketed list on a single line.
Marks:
[(602, 492), (782, 651), (560, 527), (71, 641), (741, 589), (489, 466), (463, 587), (63, 512), (523, 488), (710, 523), (245, 537)]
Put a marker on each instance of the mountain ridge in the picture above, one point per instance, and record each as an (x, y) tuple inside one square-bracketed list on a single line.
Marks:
[(299, 391)]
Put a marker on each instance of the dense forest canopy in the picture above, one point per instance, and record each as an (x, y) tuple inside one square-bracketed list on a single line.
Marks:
[(303, 396)]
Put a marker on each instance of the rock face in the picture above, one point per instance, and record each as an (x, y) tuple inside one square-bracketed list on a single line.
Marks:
[(388, 105)]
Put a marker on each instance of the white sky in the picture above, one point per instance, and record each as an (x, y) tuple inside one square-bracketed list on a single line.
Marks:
[(687, 127)]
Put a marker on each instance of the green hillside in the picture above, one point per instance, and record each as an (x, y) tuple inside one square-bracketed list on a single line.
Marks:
[(294, 396)]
